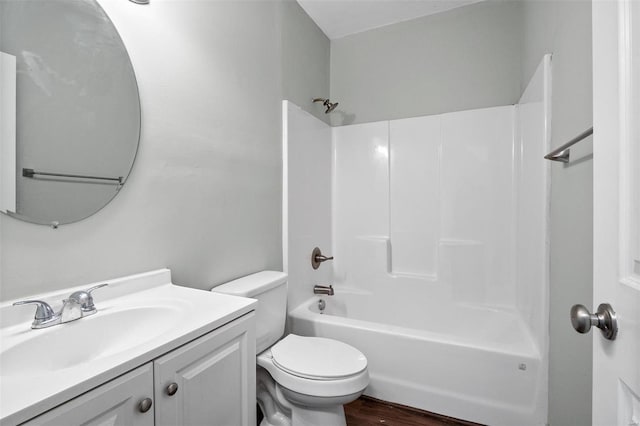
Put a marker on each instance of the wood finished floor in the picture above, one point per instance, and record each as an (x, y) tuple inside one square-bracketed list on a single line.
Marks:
[(367, 411)]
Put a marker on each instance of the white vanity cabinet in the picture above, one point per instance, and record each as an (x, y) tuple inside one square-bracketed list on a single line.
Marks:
[(114, 403), (208, 381)]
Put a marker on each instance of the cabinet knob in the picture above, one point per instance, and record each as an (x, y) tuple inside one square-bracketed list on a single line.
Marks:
[(172, 389), (145, 405)]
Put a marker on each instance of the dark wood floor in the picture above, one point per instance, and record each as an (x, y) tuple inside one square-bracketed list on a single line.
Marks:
[(367, 411)]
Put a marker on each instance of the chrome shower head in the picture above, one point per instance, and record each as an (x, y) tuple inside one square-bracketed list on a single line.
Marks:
[(330, 105)]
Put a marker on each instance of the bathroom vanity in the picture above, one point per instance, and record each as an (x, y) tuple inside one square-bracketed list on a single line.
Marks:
[(154, 354)]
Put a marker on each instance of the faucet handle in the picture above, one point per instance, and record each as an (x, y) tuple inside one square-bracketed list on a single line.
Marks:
[(97, 287), (317, 258), (85, 299), (44, 311)]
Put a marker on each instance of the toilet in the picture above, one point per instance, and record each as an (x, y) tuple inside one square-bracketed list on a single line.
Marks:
[(301, 381)]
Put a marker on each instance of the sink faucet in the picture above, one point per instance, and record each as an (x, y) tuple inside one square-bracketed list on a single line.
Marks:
[(78, 305), (70, 311), (323, 289)]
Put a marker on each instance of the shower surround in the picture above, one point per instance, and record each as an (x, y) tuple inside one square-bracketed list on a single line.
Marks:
[(439, 232)]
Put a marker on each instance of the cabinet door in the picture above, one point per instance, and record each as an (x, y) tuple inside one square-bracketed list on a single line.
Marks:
[(114, 403), (215, 377)]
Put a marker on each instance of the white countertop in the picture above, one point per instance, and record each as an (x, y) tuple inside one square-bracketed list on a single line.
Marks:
[(190, 313)]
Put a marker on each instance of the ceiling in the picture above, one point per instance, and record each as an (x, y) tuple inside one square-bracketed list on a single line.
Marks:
[(339, 18)]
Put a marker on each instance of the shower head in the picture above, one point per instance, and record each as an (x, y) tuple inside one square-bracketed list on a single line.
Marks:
[(330, 105)]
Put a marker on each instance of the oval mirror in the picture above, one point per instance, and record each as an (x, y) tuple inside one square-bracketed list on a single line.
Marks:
[(69, 110)]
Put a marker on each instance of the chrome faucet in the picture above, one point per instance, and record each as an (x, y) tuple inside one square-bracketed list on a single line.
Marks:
[(70, 311), (323, 289), (78, 305)]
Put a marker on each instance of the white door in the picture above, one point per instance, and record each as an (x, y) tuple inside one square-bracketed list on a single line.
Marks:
[(616, 99)]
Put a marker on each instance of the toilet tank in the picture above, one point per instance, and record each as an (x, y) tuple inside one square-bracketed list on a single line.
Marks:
[(270, 289)]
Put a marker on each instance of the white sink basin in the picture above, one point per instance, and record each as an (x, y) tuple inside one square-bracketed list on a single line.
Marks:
[(85, 340), (139, 318)]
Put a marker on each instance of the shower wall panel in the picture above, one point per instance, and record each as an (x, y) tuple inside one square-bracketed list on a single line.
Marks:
[(361, 190), (477, 202), (440, 191), (415, 195), (532, 269), (306, 200)]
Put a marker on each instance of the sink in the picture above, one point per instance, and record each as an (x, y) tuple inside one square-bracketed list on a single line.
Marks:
[(107, 333), (140, 317)]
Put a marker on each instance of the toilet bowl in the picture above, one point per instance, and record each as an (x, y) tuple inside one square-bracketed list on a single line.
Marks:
[(312, 377), (301, 381)]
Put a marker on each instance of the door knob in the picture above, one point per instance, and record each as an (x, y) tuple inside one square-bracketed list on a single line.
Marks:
[(604, 318)]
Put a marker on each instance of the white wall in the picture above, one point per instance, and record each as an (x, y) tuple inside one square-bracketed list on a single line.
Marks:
[(306, 201), (204, 197), (462, 59)]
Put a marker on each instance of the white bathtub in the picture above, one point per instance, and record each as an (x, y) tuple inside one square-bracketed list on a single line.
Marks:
[(467, 362)]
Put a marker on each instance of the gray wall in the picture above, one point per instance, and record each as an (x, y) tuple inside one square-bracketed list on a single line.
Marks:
[(305, 60), (564, 29), (462, 59), (204, 197)]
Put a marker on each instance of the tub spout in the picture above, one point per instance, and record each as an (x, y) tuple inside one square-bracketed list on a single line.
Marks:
[(323, 289)]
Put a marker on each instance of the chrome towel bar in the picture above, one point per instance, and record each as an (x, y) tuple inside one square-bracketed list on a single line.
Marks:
[(31, 173), (562, 153)]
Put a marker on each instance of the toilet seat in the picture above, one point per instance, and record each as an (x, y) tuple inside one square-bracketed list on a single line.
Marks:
[(317, 358), (297, 368)]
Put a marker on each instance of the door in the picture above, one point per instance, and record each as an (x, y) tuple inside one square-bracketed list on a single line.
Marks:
[(125, 401), (210, 381), (616, 99)]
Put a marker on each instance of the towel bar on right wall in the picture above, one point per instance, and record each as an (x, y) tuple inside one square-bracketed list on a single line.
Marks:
[(562, 153)]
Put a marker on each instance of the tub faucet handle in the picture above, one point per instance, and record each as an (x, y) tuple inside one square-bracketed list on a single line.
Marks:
[(317, 258)]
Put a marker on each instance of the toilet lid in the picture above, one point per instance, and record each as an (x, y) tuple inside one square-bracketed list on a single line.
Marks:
[(317, 358)]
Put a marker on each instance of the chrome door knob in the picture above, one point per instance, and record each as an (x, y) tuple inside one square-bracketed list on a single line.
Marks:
[(604, 318)]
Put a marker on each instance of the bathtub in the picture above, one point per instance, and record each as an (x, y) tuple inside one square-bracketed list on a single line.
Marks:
[(467, 362)]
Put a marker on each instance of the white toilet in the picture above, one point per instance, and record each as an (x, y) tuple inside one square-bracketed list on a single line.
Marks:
[(301, 381)]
